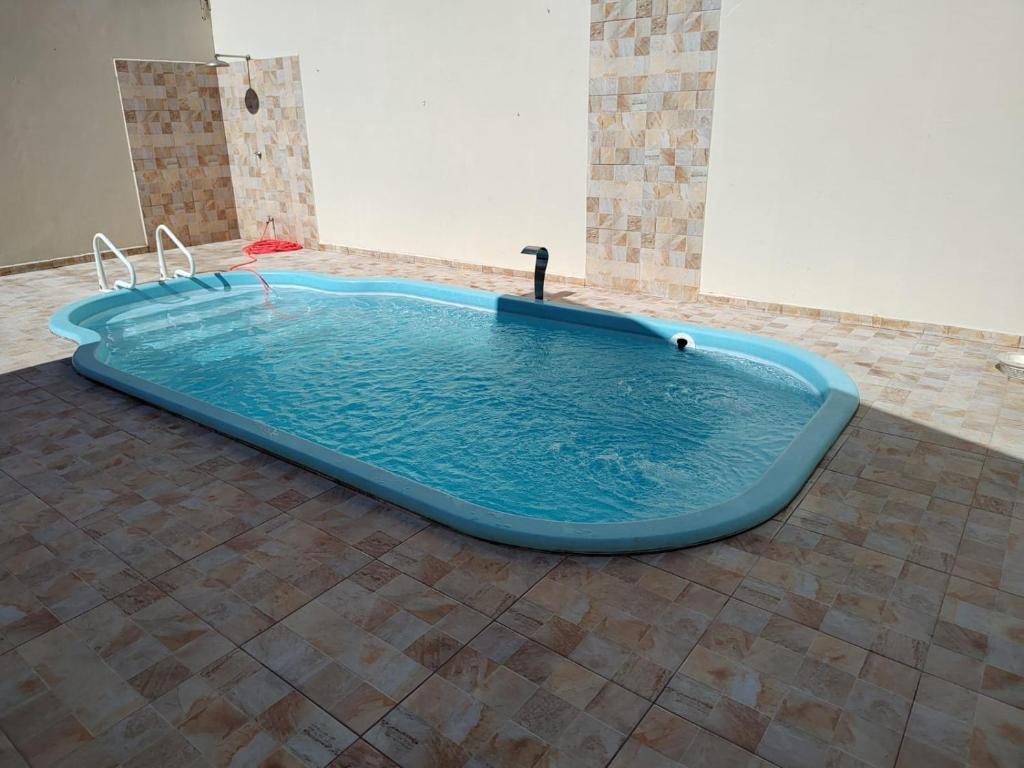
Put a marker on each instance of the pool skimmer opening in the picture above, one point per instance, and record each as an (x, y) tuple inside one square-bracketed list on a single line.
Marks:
[(683, 341)]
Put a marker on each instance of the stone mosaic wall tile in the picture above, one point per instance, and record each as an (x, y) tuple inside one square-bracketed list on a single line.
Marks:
[(268, 151), (652, 78), (176, 135)]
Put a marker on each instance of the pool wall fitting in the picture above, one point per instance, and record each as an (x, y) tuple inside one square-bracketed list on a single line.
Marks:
[(540, 267)]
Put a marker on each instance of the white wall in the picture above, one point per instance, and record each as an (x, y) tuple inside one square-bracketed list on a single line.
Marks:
[(869, 157), (455, 130), (65, 167)]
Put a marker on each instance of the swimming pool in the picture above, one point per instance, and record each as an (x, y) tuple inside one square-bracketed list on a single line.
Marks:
[(524, 422)]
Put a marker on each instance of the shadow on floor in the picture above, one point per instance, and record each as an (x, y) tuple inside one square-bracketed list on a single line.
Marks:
[(877, 445), (896, 507)]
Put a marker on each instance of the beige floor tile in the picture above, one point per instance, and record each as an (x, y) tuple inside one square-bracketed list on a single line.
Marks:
[(485, 576), (623, 619), (878, 619)]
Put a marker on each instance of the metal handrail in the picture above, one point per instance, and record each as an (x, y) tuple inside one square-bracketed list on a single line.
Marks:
[(163, 229), (101, 272)]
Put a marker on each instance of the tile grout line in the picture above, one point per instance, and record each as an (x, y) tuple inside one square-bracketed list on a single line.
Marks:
[(150, 580), (803, 492), (787, 521), (434, 672), (661, 690), (240, 647), (910, 713), (970, 507), (10, 741)]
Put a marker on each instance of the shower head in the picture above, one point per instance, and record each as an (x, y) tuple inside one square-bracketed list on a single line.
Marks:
[(252, 100), (218, 59)]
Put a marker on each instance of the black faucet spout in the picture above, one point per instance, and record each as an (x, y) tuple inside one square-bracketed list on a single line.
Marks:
[(539, 269)]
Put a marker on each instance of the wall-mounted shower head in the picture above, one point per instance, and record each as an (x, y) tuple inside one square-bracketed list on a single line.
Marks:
[(218, 59), (252, 100)]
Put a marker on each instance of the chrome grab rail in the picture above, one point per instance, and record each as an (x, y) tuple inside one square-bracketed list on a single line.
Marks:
[(101, 273), (163, 229)]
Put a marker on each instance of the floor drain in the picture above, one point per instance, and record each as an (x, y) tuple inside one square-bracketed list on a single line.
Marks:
[(1012, 365)]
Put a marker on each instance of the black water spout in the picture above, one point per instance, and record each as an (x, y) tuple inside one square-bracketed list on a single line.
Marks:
[(539, 269)]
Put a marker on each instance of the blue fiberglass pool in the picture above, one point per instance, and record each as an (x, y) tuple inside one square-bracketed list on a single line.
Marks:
[(519, 421)]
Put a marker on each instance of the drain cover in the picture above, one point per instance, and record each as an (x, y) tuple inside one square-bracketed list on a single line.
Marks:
[(1011, 365)]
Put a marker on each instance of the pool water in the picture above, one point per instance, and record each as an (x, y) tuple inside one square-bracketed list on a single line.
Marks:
[(519, 414)]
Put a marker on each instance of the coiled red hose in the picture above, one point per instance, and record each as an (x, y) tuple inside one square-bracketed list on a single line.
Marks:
[(263, 245)]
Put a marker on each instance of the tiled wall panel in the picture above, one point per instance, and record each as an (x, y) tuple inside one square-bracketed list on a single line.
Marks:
[(652, 78), (268, 151), (176, 135)]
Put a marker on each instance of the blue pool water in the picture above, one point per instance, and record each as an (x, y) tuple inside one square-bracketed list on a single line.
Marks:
[(518, 414)]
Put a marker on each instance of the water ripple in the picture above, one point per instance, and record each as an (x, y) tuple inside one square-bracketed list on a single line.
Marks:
[(521, 415)]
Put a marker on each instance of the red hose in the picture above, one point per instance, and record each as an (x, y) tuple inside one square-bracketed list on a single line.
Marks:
[(270, 246), (263, 245), (245, 265)]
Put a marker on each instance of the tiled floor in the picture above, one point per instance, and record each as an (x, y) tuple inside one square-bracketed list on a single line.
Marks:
[(169, 597)]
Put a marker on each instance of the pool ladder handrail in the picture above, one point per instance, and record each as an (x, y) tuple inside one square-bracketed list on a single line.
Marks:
[(101, 273), (163, 229)]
